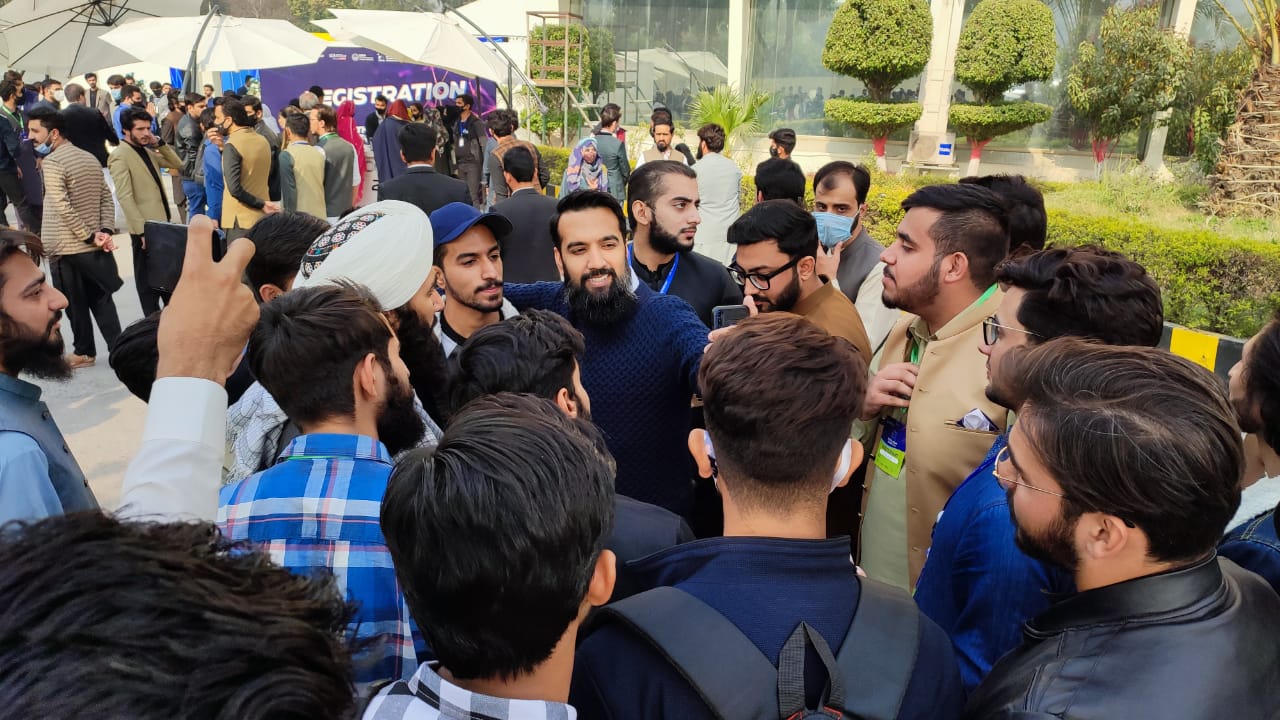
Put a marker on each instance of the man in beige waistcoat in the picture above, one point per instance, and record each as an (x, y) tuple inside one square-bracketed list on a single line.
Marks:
[(926, 412)]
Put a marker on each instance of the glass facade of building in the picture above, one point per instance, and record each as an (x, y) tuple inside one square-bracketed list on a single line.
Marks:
[(668, 50)]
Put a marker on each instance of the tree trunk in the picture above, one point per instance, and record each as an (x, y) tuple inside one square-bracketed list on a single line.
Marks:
[(975, 155), (1247, 180), (879, 144)]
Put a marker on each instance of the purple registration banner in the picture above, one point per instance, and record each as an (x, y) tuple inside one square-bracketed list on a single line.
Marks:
[(360, 75)]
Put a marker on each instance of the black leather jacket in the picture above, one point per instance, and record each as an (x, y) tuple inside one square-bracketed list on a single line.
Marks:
[(187, 144), (1201, 643)]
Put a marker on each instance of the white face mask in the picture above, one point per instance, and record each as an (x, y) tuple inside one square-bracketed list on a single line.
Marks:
[(846, 460), (60, 96)]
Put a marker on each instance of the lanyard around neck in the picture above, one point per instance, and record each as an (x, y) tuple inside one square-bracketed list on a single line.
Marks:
[(675, 265)]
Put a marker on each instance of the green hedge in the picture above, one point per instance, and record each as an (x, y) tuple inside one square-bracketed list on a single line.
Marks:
[(1209, 282)]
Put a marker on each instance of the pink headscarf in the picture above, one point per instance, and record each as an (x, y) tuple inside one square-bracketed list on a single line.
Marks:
[(347, 131)]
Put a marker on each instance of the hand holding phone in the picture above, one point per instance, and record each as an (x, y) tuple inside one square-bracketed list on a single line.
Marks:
[(723, 316)]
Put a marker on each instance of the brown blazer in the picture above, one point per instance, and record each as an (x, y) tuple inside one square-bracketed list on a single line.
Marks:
[(940, 454), (140, 197), (77, 201), (830, 310)]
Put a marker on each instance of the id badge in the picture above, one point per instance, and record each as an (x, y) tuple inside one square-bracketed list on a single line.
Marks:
[(891, 451)]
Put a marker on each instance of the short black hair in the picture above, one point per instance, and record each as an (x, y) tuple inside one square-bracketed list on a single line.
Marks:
[(580, 200), (826, 176), (326, 115), (784, 138), (533, 352), (795, 230), (1085, 292), (503, 122), (1137, 433), (335, 327), (661, 116), (417, 142), (194, 98), (115, 79), (135, 356), (973, 221), (235, 109), (8, 89), (128, 91), (1262, 381), (133, 115), (380, 96), (777, 451), (713, 135), (780, 179), (299, 125), (208, 118), (647, 182), (467, 99), (51, 119), (317, 91), (280, 240), (520, 163), (610, 114), (168, 620), (253, 102), (1028, 223), (90, 76), (494, 597)]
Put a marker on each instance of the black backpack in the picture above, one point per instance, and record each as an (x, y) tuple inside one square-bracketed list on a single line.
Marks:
[(866, 680)]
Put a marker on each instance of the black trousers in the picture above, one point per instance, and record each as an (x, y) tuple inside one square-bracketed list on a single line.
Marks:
[(148, 296), (88, 280), (472, 173), (11, 186)]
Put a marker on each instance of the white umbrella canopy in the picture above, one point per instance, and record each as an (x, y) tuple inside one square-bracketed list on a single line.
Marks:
[(60, 38), (228, 44), (419, 37)]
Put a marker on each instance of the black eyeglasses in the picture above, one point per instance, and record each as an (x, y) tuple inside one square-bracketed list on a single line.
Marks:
[(991, 330), (759, 281)]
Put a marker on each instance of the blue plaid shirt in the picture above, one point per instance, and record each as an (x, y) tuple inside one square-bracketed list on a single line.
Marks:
[(316, 510)]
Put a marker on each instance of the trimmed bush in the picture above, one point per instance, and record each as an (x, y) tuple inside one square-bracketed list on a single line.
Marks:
[(557, 159), (1208, 282), (1005, 43)]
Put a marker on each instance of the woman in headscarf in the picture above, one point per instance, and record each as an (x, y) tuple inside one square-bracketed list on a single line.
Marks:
[(431, 116), (585, 171), (347, 131), (386, 142)]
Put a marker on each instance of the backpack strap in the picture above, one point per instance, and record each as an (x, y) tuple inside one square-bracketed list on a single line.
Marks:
[(791, 672), (879, 652), (695, 640)]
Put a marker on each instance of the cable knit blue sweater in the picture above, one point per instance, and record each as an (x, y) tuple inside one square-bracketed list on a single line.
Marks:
[(641, 375)]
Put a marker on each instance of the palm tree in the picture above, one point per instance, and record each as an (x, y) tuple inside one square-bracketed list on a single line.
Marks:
[(737, 111)]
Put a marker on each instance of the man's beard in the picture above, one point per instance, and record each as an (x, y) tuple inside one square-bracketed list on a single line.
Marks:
[(1053, 545), (665, 242), (37, 355), (662, 146), (916, 297), (612, 306), (423, 355), (787, 300), (474, 302), (400, 427)]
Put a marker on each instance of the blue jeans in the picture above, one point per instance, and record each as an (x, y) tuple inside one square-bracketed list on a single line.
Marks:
[(195, 198)]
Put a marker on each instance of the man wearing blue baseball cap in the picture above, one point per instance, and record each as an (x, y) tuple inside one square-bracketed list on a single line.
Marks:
[(468, 259)]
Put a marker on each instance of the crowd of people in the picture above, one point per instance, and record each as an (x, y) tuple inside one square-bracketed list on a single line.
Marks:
[(410, 458)]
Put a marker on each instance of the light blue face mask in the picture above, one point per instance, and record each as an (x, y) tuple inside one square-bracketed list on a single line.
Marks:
[(115, 93), (43, 149), (833, 229)]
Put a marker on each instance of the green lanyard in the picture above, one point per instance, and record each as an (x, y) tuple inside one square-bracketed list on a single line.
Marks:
[(326, 136), (915, 347)]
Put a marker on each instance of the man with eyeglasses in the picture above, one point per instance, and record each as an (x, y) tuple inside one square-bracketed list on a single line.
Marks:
[(977, 584), (925, 410), (1123, 469), (776, 245)]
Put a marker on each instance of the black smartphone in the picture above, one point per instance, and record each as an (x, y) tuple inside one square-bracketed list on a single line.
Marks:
[(725, 315)]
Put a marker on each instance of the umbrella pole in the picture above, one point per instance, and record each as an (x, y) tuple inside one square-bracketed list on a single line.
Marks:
[(188, 82)]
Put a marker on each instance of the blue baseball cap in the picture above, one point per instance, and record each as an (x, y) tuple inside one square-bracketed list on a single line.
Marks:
[(450, 221)]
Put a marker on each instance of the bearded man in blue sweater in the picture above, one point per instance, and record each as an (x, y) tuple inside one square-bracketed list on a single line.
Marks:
[(642, 353)]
